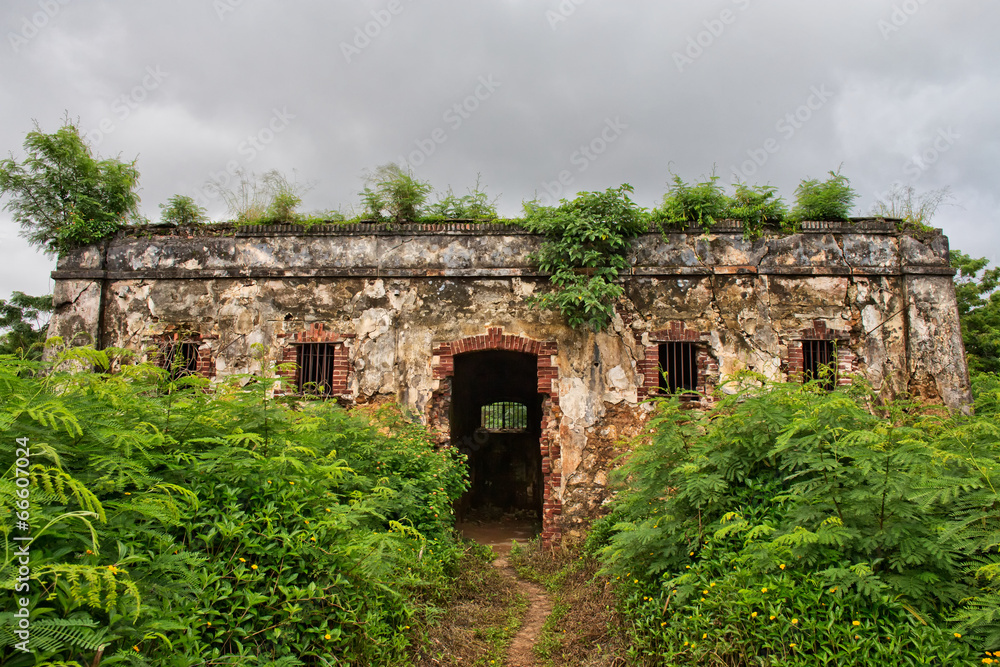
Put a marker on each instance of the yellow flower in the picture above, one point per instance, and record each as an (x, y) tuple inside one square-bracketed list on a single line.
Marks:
[(687, 567), (957, 635), (782, 566), (705, 636), (209, 624), (705, 592), (795, 621), (243, 560), (855, 623), (753, 615), (711, 585), (326, 636), (292, 483), (253, 567), (833, 590), (691, 554), (307, 521), (313, 539), (136, 648), (328, 509), (792, 645), (127, 493), (763, 590), (686, 643), (90, 552), (773, 617)]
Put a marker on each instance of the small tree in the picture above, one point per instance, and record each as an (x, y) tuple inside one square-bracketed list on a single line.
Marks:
[(831, 199), (391, 193), (181, 210), (62, 195), (24, 319)]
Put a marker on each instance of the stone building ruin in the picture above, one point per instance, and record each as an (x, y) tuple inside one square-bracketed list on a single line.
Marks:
[(436, 317)]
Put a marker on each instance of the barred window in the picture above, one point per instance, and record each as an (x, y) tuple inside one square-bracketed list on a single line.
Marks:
[(504, 416), (180, 359), (315, 362), (678, 367), (819, 362)]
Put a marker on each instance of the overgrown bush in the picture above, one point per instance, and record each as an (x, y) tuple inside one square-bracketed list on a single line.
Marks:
[(182, 210), (831, 199), (792, 526), (177, 525), (586, 245), (757, 206), (475, 206), (390, 193), (703, 203)]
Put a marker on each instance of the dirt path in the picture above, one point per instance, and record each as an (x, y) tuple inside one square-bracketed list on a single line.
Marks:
[(499, 536), (539, 608)]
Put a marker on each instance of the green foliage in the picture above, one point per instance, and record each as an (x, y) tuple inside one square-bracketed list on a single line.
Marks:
[(474, 206), (757, 206), (393, 194), (978, 310), (831, 199), (586, 246), (703, 203), (21, 321), (177, 524), (64, 197), (182, 210), (706, 202), (878, 534)]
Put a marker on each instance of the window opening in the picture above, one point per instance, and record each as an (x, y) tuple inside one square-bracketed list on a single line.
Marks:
[(678, 367), (181, 359), (504, 416), (315, 368), (819, 362)]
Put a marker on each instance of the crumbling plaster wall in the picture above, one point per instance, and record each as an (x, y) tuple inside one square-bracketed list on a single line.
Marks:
[(395, 294)]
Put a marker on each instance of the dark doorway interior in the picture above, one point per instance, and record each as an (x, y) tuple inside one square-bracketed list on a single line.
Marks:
[(496, 421)]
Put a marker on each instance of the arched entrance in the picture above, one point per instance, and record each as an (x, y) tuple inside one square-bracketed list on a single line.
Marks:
[(461, 391), (496, 422)]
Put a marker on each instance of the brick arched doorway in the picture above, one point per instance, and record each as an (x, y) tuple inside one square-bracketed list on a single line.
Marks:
[(546, 376)]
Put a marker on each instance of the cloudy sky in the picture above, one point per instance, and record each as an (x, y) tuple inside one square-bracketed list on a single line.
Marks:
[(540, 98)]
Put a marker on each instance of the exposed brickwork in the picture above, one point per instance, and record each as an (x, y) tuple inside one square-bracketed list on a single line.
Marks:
[(205, 365), (847, 361), (316, 333), (443, 368), (677, 332)]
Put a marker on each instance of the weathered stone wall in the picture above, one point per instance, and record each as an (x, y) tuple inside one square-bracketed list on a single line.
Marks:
[(397, 299)]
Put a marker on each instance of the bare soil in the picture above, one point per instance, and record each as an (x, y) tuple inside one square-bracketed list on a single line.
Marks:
[(521, 652)]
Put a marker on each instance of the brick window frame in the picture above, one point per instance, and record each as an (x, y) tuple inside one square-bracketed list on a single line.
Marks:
[(316, 333), (546, 352), (204, 363), (845, 360), (707, 367)]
